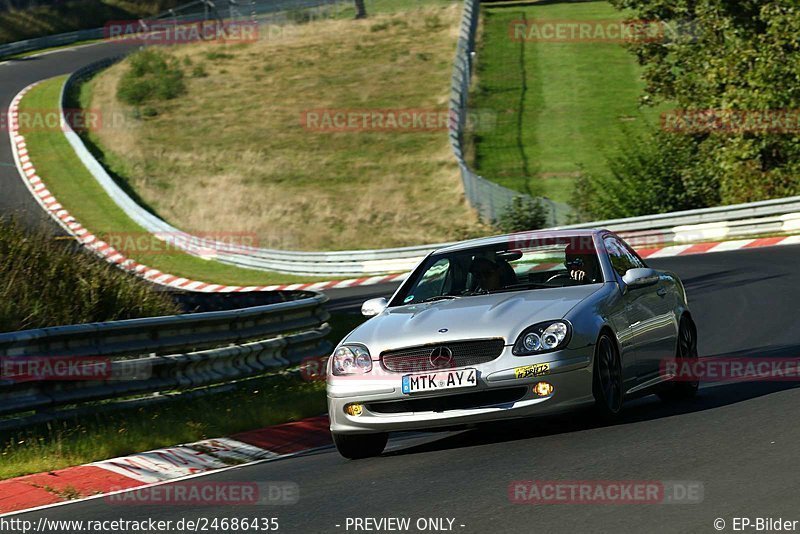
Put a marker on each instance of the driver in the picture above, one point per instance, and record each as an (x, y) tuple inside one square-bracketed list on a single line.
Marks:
[(582, 265), (487, 273)]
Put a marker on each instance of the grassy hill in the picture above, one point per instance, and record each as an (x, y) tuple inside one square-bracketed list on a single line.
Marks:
[(563, 106), (235, 152)]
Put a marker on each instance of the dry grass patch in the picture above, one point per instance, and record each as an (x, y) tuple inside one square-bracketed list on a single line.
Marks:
[(234, 155)]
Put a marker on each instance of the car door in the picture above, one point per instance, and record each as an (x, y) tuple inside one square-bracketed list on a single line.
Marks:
[(648, 313), (662, 330)]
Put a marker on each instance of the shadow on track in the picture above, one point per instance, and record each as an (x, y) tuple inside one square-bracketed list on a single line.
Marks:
[(638, 410)]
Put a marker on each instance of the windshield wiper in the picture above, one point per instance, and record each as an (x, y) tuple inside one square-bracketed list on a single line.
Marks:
[(440, 297), (516, 287)]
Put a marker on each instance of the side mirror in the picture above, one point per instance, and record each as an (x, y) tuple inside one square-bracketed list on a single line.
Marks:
[(373, 307), (640, 277)]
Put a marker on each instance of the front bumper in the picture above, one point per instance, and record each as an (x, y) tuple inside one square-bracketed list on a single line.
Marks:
[(498, 395)]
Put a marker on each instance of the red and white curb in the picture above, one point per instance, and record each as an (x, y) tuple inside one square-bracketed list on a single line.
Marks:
[(50, 204), (162, 465), (719, 246)]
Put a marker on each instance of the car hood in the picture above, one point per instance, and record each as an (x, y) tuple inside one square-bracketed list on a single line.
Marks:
[(485, 316)]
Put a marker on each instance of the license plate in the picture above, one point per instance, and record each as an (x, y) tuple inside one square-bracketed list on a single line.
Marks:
[(462, 378)]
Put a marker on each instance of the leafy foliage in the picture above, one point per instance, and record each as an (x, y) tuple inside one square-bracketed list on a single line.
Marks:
[(654, 173), (735, 55), (153, 75), (524, 213)]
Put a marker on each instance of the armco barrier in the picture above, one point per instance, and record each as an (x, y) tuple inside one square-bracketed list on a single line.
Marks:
[(51, 41), (163, 354)]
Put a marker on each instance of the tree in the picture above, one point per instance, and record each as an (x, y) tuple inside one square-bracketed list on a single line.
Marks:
[(361, 9), (524, 213), (730, 55)]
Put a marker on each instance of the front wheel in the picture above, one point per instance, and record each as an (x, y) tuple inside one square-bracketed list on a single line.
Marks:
[(357, 446), (607, 381), (686, 352)]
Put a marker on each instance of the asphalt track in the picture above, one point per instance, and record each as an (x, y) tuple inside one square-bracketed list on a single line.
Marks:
[(15, 75), (738, 440)]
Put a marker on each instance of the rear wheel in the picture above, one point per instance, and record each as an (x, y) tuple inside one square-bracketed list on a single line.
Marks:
[(357, 446), (607, 382), (686, 351)]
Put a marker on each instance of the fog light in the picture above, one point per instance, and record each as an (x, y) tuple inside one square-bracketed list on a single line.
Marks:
[(354, 409), (543, 389)]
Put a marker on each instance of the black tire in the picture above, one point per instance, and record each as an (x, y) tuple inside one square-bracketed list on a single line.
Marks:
[(607, 378), (686, 350), (357, 446)]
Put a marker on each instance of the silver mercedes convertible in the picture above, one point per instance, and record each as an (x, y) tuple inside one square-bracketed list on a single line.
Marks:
[(506, 327)]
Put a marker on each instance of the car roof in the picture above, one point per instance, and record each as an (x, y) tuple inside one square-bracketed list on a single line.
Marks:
[(521, 237)]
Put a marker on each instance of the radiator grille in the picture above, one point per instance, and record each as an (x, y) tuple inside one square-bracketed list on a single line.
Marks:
[(442, 355)]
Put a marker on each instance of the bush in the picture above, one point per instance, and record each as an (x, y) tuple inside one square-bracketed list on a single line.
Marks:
[(300, 16), (653, 173), (152, 75), (755, 168), (524, 213), (199, 71), (47, 283)]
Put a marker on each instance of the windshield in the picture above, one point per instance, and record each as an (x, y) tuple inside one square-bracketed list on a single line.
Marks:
[(502, 268)]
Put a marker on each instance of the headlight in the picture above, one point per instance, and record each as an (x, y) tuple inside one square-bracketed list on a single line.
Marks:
[(542, 337), (351, 360)]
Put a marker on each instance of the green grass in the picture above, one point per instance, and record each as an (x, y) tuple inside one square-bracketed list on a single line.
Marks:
[(563, 107), (78, 192), (255, 404), (46, 283)]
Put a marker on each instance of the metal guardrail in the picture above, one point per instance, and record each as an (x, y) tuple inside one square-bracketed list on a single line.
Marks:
[(723, 222), (163, 354), (50, 41), (488, 198)]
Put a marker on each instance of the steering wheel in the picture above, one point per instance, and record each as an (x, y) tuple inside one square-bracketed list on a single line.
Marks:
[(557, 276)]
